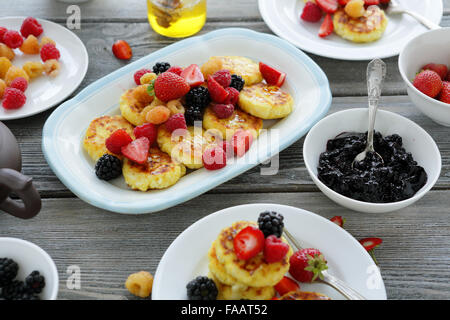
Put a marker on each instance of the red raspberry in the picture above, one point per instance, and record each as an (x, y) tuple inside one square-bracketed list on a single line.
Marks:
[(214, 158), (223, 77), (241, 142), (177, 121), (117, 140), (311, 12), (175, 69), (275, 249), (227, 147), (31, 26), (148, 130), (223, 111), (12, 39), (233, 96), (19, 83), (216, 91), (2, 33), (13, 98), (49, 51), (139, 74)]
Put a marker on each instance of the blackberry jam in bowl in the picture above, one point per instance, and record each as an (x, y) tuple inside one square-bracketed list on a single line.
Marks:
[(411, 161)]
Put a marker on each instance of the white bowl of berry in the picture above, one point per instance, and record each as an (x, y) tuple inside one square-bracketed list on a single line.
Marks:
[(423, 64), (27, 272), (410, 168)]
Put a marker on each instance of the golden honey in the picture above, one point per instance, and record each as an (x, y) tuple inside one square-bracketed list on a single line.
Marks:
[(176, 18)]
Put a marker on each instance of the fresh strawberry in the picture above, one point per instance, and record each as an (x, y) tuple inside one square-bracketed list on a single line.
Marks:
[(327, 27), (241, 142), (233, 96), (307, 264), (117, 140), (275, 249), (248, 243), (371, 2), (447, 78), (370, 244), (223, 77), (311, 12), (148, 130), (175, 69), (440, 69), (385, 1), (168, 86), (445, 92), (122, 50), (428, 82), (343, 2), (286, 285), (216, 91), (214, 158), (137, 150), (329, 6), (272, 76), (338, 220), (138, 74), (193, 75)]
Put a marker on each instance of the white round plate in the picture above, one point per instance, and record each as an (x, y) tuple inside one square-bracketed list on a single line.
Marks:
[(45, 92), (186, 257), (283, 17)]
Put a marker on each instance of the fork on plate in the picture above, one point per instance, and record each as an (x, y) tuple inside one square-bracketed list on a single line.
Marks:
[(396, 8)]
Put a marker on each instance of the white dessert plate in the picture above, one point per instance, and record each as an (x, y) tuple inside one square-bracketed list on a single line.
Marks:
[(187, 258), (65, 128), (46, 92), (283, 18)]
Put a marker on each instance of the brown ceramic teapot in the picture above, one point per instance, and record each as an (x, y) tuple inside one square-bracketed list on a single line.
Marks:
[(12, 181)]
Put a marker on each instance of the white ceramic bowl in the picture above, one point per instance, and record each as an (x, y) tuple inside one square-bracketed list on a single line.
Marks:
[(415, 140), (430, 47), (30, 257)]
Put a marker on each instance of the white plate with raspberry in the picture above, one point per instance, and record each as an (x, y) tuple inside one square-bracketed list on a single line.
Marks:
[(44, 92), (187, 256), (283, 18)]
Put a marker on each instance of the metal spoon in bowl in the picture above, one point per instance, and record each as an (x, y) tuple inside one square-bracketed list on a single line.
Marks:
[(376, 71)]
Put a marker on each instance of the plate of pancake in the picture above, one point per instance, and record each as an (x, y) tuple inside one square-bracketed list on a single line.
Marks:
[(376, 35), (74, 134), (206, 249)]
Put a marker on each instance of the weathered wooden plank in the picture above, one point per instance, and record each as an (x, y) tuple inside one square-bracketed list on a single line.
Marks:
[(414, 257)]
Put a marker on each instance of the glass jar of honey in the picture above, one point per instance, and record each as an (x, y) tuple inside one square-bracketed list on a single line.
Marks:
[(176, 18)]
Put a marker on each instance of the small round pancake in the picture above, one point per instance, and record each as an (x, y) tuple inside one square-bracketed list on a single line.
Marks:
[(134, 104), (241, 66), (227, 127), (217, 269), (99, 130), (186, 148), (227, 292), (266, 102), (158, 172), (368, 28), (254, 272), (303, 295)]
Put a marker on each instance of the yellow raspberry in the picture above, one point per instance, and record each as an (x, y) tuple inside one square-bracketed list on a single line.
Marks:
[(175, 106), (33, 69), (158, 115), (15, 72), (51, 68), (355, 8), (140, 284), (147, 78), (2, 88), (46, 40), (6, 52), (5, 64), (30, 45)]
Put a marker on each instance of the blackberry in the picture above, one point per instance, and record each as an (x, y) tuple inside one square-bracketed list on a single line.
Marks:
[(271, 223), (161, 67), (192, 114), (202, 288), (35, 282), (14, 290), (108, 167), (8, 271), (198, 97), (237, 82)]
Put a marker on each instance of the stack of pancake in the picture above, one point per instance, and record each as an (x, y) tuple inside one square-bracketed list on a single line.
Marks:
[(252, 279)]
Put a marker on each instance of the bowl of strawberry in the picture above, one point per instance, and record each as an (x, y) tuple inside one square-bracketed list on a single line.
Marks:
[(424, 65)]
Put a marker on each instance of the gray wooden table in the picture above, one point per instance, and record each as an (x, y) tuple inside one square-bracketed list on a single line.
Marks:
[(414, 257)]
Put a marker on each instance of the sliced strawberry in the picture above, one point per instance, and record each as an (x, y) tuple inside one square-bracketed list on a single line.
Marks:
[(117, 140), (175, 69), (329, 6), (440, 69), (370, 244), (137, 150), (193, 75), (286, 285), (385, 1), (275, 250), (241, 142), (371, 2), (148, 130), (327, 27), (338, 220), (343, 2), (122, 50), (272, 75), (216, 91), (248, 243)]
